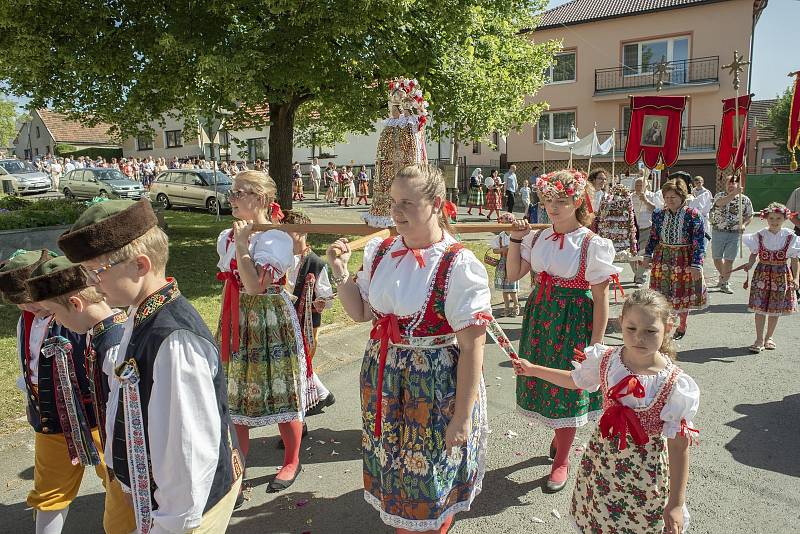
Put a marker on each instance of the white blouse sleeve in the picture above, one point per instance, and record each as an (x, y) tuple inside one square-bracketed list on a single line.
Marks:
[(222, 247), (363, 275), (600, 261), (751, 242), (681, 407), (468, 292), (586, 374), (273, 249), (794, 248), (527, 245), (494, 242)]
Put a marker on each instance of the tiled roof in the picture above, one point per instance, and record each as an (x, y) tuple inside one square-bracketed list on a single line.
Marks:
[(67, 131), (582, 11), (759, 110)]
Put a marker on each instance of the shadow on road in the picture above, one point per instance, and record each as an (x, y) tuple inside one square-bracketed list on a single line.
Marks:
[(738, 307), (764, 433), (712, 354), (346, 444), (26, 474), (85, 515)]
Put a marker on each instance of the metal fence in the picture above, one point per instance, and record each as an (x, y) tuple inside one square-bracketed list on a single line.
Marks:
[(681, 72)]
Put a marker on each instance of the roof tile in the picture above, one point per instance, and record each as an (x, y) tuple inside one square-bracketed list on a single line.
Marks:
[(580, 11), (67, 131)]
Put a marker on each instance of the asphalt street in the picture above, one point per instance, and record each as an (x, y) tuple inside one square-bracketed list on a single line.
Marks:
[(744, 475)]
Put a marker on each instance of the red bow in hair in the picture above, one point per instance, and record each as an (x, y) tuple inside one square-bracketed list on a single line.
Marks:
[(450, 210), (275, 213)]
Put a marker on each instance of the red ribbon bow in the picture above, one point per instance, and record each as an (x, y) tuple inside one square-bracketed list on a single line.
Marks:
[(385, 329), (686, 431), (545, 283), (450, 210), (230, 314), (616, 285), (417, 255), (556, 237), (275, 213), (620, 420)]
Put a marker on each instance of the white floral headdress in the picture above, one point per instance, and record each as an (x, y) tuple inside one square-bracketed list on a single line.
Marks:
[(406, 94)]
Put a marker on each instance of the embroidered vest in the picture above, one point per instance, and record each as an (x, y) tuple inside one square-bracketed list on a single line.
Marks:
[(579, 280), (106, 336), (43, 413), (773, 257), (430, 319), (312, 264), (161, 314)]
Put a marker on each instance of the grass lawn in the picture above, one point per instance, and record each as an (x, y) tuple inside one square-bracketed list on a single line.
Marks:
[(193, 260)]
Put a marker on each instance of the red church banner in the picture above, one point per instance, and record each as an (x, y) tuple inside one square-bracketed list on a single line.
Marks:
[(793, 141), (731, 145), (654, 132)]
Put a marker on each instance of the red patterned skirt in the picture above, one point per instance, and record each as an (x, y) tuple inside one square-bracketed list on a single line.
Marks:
[(494, 200), (772, 290), (671, 276)]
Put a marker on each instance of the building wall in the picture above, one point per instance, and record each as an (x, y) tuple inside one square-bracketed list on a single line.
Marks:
[(190, 144), (600, 44), (40, 142)]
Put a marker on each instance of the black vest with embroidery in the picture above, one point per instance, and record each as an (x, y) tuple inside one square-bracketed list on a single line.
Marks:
[(42, 412), (160, 315), (106, 336), (312, 264)]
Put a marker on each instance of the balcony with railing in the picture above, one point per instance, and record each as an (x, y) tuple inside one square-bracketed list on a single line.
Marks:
[(685, 72), (694, 139)]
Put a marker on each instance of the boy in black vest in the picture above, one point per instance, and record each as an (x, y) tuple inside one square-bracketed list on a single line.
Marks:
[(171, 438), (59, 407), (61, 287), (309, 282)]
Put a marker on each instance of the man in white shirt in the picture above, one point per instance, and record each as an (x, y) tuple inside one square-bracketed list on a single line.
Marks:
[(316, 177), (644, 203), (510, 179), (703, 201), (68, 165), (55, 173)]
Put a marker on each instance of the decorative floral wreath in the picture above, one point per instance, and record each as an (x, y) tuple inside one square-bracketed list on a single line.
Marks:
[(550, 185), (783, 210), (406, 94)]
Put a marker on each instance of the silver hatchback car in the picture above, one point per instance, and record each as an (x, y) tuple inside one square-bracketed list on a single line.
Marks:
[(193, 188), (25, 178), (100, 182)]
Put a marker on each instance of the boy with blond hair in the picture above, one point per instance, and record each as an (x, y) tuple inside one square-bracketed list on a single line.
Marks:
[(170, 435)]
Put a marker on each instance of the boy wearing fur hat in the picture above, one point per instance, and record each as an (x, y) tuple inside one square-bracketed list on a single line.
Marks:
[(61, 288), (170, 435), (59, 404)]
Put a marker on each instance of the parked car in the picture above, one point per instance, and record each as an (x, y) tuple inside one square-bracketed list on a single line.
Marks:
[(26, 179), (192, 188), (107, 183)]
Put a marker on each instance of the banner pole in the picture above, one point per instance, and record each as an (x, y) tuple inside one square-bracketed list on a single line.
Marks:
[(613, 151)]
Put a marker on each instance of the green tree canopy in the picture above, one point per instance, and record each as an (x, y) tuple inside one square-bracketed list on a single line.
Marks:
[(130, 62), (8, 121)]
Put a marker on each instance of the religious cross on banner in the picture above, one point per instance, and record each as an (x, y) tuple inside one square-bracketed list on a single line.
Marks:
[(655, 130), (732, 144), (793, 140)]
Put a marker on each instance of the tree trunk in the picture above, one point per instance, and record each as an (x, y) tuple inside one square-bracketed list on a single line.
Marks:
[(281, 145)]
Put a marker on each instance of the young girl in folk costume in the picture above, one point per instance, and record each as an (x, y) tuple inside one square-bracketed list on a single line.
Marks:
[(329, 181), (259, 335), (499, 245), (297, 177), (345, 181), (363, 186), (675, 253), (634, 471), (494, 197), (476, 198), (772, 288), (567, 310), (423, 397)]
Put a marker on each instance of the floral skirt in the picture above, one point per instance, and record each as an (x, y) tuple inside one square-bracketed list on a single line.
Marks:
[(551, 330), (363, 189), (298, 187), (267, 375), (671, 276), (772, 290), (408, 476), (622, 491), (500, 282), (494, 199), (475, 196), (345, 191)]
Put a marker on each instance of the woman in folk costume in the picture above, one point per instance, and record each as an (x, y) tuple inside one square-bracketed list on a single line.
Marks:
[(772, 288), (363, 186), (260, 338), (422, 393), (476, 198), (567, 310), (346, 193), (675, 253), (494, 197)]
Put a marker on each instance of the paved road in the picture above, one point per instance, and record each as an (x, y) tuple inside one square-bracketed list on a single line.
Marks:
[(744, 476)]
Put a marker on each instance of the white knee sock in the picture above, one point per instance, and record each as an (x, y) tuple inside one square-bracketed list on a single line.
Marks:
[(50, 522), (323, 391)]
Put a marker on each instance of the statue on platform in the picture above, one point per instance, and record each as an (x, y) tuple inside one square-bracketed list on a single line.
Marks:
[(401, 143)]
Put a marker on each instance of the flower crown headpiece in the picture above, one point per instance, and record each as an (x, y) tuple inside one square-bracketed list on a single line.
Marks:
[(406, 94), (783, 210), (550, 185)]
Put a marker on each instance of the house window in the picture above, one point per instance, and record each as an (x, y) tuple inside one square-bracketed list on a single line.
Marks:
[(476, 148), (144, 142), (38, 133), (173, 138), (496, 140), (639, 58), (563, 68), (555, 126), (257, 149)]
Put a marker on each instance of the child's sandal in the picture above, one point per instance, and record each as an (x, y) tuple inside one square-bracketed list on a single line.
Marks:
[(769, 344), (755, 349)]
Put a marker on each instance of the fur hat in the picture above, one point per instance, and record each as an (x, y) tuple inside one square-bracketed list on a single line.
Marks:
[(54, 278), (17, 269), (106, 227)]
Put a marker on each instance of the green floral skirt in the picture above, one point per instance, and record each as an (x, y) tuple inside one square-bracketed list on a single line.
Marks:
[(267, 375), (551, 330)]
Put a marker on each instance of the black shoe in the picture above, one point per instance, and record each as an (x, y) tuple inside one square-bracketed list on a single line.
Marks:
[(239, 500), (678, 334), (324, 403), (280, 485), (280, 441)]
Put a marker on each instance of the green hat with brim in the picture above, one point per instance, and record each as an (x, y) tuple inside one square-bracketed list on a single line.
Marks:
[(55, 278), (107, 227), (17, 269)]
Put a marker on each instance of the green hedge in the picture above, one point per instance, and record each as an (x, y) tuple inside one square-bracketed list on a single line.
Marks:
[(94, 152), (765, 188), (18, 213)]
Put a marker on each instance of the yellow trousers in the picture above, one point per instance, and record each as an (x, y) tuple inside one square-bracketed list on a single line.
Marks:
[(56, 483), (216, 520)]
